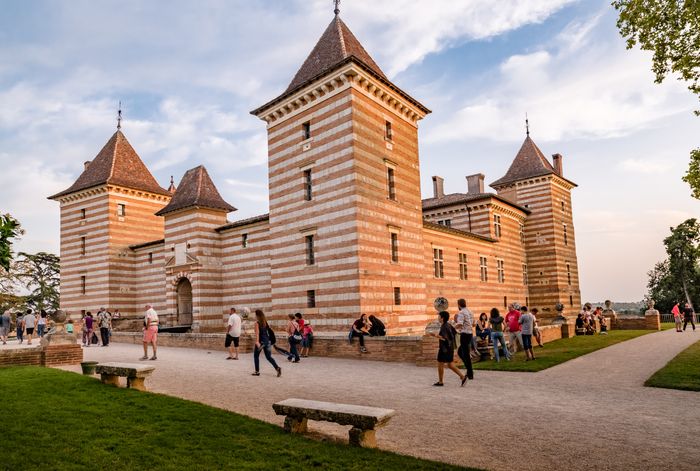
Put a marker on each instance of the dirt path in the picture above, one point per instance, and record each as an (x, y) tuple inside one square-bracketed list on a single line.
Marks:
[(589, 413)]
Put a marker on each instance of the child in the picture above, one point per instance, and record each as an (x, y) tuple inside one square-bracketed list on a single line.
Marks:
[(308, 337), (603, 325), (69, 326)]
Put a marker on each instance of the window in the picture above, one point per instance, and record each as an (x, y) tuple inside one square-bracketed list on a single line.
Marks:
[(524, 274), (445, 222), (308, 191), (244, 240), (462, 266), (522, 234), (563, 206), (566, 236), (83, 284), (505, 301), (501, 271), (150, 257), (497, 225), (483, 265), (310, 259), (391, 183), (306, 130), (439, 263), (121, 210), (82, 245), (568, 273), (394, 247), (397, 296), (571, 300), (387, 131), (82, 213), (311, 298)]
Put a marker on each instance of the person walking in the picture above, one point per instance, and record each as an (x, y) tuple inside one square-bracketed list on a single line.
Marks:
[(4, 327), (104, 321), (688, 316), (497, 326), (41, 324), (293, 338), (527, 324), (513, 326), (359, 329), (150, 332), (29, 325), (677, 318), (233, 334), (20, 327), (464, 324), (264, 339), (445, 356)]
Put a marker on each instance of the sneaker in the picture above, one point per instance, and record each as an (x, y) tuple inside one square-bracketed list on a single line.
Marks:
[(279, 371), (296, 361), (145, 357), (154, 357), (257, 373), (438, 384)]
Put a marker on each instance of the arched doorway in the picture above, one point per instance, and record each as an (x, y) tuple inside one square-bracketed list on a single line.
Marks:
[(184, 302)]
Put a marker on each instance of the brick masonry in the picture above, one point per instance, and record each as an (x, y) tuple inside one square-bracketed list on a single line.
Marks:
[(51, 355)]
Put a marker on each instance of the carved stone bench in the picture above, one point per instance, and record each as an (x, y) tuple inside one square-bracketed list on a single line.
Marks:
[(135, 374), (364, 420)]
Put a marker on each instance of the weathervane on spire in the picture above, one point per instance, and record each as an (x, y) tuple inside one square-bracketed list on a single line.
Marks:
[(527, 126), (337, 7), (119, 116)]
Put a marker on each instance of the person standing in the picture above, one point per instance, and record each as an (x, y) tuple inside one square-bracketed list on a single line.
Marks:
[(150, 332), (536, 329), (87, 328), (104, 321), (527, 323), (20, 327), (41, 324), (29, 325), (293, 337), (497, 326), (688, 316), (4, 327), (445, 356), (233, 334), (676, 311), (308, 334), (264, 339), (464, 323), (513, 326)]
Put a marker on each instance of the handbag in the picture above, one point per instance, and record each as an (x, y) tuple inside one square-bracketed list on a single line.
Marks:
[(94, 340)]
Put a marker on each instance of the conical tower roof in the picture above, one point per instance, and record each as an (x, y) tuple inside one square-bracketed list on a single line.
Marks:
[(196, 189), (336, 44), (117, 164), (529, 162)]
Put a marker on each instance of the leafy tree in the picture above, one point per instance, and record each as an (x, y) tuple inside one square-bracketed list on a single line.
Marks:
[(671, 30), (662, 287), (683, 248), (40, 274), (9, 229)]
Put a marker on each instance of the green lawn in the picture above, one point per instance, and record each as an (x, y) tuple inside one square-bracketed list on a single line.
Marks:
[(56, 420), (683, 372), (559, 351)]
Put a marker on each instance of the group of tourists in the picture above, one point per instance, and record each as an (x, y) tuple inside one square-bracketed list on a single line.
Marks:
[(587, 322), (90, 325), (27, 324), (686, 316), (366, 326)]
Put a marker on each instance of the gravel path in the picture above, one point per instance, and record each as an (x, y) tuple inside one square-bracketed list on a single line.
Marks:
[(589, 413)]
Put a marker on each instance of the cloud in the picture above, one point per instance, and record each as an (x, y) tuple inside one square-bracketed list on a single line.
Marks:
[(649, 167)]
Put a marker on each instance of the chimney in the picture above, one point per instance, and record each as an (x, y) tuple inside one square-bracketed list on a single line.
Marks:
[(438, 187), (558, 164), (87, 164), (475, 183)]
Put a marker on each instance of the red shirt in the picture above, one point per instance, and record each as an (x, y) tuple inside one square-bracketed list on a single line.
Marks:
[(512, 319)]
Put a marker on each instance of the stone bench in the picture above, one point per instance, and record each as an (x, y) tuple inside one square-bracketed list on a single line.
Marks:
[(135, 374), (364, 420)]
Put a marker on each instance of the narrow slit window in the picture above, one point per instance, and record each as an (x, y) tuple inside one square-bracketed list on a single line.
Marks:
[(121, 210), (568, 273), (150, 257), (566, 235), (306, 130), (83, 284), (394, 247), (500, 266), (571, 301), (391, 183), (82, 213), (397, 296), (82, 245), (388, 134), (244, 240), (310, 257), (308, 189), (497, 225), (311, 298)]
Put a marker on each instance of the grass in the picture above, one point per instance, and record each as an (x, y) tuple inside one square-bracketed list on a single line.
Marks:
[(683, 372), (72, 422), (560, 351), (668, 325)]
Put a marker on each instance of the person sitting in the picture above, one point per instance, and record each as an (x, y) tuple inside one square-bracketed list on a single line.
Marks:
[(482, 327), (603, 325), (580, 330), (359, 329), (378, 329), (588, 326)]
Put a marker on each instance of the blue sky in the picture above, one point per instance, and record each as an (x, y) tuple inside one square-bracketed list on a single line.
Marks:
[(188, 73)]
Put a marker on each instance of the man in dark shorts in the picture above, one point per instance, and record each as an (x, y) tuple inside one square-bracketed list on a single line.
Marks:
[(30, 323), (688, 316), (233, 334)]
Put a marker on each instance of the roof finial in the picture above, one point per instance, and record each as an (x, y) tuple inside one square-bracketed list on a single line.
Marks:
[(337, 7), (172, 188), (527, 126), (119, 116)]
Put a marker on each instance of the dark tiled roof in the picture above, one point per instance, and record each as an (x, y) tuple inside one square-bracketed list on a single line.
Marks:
[(118, 164), (529, 162), (336, 44), (244, 222), (147, 244), (460, 198), (196, 189), (451, 230)]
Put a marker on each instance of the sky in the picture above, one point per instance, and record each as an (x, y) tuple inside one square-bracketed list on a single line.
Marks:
[(188, 74)]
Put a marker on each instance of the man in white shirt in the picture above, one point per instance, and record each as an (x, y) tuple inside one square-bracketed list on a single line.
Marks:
[(29, 325), (233, 334), (527, 322), (150, 332), (464, 322)]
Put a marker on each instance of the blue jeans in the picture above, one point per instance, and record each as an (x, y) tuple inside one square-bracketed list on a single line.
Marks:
[(267, 348), (495, 338), (40, 328), (20, 334)]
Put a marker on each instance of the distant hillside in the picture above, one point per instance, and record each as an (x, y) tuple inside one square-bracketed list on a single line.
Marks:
[(623, 307)]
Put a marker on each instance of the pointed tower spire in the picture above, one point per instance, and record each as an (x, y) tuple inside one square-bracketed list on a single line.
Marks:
[(196, 189), (337, 7), (172, 187), (527, 126), (119, 116)]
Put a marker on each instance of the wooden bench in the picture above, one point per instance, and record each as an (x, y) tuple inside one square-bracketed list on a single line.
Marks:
[(364, 420), (135, 374)]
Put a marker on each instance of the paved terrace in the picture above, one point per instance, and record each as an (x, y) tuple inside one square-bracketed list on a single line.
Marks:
[(589, 413)]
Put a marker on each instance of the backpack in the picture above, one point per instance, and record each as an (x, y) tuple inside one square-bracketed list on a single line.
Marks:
[(271, 335)]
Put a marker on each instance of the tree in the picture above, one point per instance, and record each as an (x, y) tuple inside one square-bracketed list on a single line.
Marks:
[(683, 248), (40, 274), (662, 287), (9, 229), (671, 30)]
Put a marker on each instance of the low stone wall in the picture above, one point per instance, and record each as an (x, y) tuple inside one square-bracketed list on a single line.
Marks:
[(21, 357), (50, 355), (631, 322)]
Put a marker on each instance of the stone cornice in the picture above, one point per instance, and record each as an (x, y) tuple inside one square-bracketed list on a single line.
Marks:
[(111, 189)]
